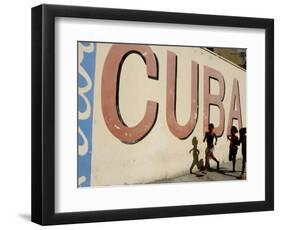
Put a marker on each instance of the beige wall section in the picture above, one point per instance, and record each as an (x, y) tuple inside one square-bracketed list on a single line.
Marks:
[(160, 154)]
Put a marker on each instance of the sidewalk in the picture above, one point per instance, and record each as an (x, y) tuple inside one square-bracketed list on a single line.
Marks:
[(224, 173)]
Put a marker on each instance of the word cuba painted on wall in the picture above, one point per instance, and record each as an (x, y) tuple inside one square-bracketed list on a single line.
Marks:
[(139, 107), (110, 91)]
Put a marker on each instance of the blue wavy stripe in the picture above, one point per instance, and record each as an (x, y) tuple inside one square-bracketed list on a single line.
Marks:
[(84, 162)]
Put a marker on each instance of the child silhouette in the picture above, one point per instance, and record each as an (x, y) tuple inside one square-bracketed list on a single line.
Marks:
[(233, 146), (195, 153)]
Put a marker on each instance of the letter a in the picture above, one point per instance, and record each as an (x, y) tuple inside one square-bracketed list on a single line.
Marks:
[(235, 103)]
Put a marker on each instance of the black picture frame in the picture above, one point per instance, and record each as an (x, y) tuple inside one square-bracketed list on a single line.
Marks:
[(43, 114)]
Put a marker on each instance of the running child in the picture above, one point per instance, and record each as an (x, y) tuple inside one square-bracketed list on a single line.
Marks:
[(210, 136), (233, 146), (243, 141)]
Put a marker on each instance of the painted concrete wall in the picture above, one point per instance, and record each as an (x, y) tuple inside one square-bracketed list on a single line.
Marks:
[(160, 154)]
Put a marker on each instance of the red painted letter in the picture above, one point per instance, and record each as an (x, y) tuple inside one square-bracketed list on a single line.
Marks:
[(109, 95), (216, 100), (180, 131)]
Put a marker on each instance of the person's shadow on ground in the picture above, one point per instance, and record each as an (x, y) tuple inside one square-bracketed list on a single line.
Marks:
[(195, 152), (225, 171)]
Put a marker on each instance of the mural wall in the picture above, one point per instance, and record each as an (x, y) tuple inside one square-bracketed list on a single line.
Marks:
[(143, 110)]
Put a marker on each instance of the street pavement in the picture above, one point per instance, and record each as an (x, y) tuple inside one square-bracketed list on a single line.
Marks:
[(213, 174)]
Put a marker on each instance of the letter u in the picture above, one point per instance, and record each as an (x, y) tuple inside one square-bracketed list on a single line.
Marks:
[(180, 131)]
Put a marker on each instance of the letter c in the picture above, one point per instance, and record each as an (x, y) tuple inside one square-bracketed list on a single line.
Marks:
[(109, 93)]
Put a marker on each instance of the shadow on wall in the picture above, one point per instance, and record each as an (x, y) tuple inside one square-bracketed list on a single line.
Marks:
[(195, 152)]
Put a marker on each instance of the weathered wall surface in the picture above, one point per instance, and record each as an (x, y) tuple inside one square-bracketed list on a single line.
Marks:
[(160, 154)]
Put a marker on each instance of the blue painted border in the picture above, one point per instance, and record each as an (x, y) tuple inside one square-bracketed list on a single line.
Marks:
[(87, 63)]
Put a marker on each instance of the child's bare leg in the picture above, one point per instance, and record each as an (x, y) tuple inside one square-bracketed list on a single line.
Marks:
[(207, 161), (243, 169), (215, 159), (233, 163), (243, 166)]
